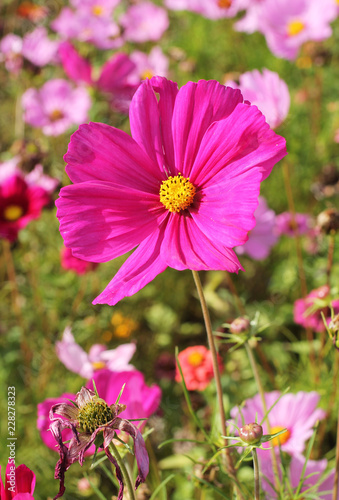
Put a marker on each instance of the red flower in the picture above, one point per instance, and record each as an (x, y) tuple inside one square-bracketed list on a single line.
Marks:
[(197, 367)]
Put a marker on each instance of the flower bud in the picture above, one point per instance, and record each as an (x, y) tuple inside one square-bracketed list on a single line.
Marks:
[(240, 325), (328, 221), (251, 433), (334, 325)]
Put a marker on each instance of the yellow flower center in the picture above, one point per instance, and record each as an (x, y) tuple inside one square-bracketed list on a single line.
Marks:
[(224, 4), (177, 193), (55, 115), (146, 74), (94, 414), (12, 212), (195, 358), (295, 27), (97, 365), (282, 439), (97, 10)]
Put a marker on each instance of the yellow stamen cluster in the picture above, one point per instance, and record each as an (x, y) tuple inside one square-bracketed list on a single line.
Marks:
[(12, 212), (177, 193), (97, 10), (282, 439), (56, 115), (295, 27), (98, 365), (195, 358), (147, 73), (224, 4), (94, 414)]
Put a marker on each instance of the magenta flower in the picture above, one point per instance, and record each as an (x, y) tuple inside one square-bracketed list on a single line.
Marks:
[(38, 48), (89, 418), (78, 361), (308, 311), (144, 22), (22, 197), (184, 188), (71, 263), (267, 91), (314, 476), (11, 52), (262, 237), (19, 483), (288, 25), (288, 225), (56, 106), (295, 412)]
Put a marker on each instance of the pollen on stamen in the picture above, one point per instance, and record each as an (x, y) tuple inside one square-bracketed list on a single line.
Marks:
[(177, 193), (295, 27)]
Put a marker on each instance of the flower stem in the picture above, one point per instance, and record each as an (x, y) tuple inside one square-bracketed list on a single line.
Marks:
[(228, 458), (336, 473), (125, 475), (256, 475)]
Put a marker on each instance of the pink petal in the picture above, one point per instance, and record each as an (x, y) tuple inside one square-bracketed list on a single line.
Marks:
[(197, 106), (185, 246), (139, 269), (76, 67), (100, 221), (115, 72), (98, 151), (73, 356)]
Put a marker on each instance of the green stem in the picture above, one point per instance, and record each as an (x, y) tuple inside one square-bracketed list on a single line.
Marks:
[(263, 401), (256, 475), (336, 474), (208, 325), (125, 475)]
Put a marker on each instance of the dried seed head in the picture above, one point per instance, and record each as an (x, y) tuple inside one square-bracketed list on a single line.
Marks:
[(328, 221)]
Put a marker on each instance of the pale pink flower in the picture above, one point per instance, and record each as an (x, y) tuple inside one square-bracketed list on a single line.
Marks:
[(201, 142), (262, 237), (308, 311), (197, 367), (267, 91), (212, 9), (147, 66), (78, 361), (38, 48), (19, 482), (11, 52), (251, 20), (289, 225), (98, 8), (298, 413), (288, 25), (22, 197), (56, 106), (71, 263), (315, 469), (144, 22)]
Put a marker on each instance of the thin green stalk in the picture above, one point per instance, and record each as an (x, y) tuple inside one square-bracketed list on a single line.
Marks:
[(263, 401), (256, 475), (125, 475), (208, 325)]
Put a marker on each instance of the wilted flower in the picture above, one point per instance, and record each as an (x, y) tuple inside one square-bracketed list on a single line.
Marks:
[(56, 106), (184, 188), (267, 91), (78, 361), (197, 367), (308, 311), (22, 196), (71, 263), (143, 22), (262, 237), (88, 417), (297, 413), (19, 483)]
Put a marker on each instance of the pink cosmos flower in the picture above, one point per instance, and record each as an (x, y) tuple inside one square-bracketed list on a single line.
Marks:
[(78, 361), (212, 9), (315, 469), (71, 263), (251, 20), (287, 224), (90, 418), (295, 412), (56, 106), (101, 31), (38, 48), (197, 367), (117, 77), (144, 22), (262, 237), (184, 187), (11, 52), (99, 8), (287, 25), (140, 399), (22, 197), (147, 66), (307, 311), (267, 91), (19, 483)]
